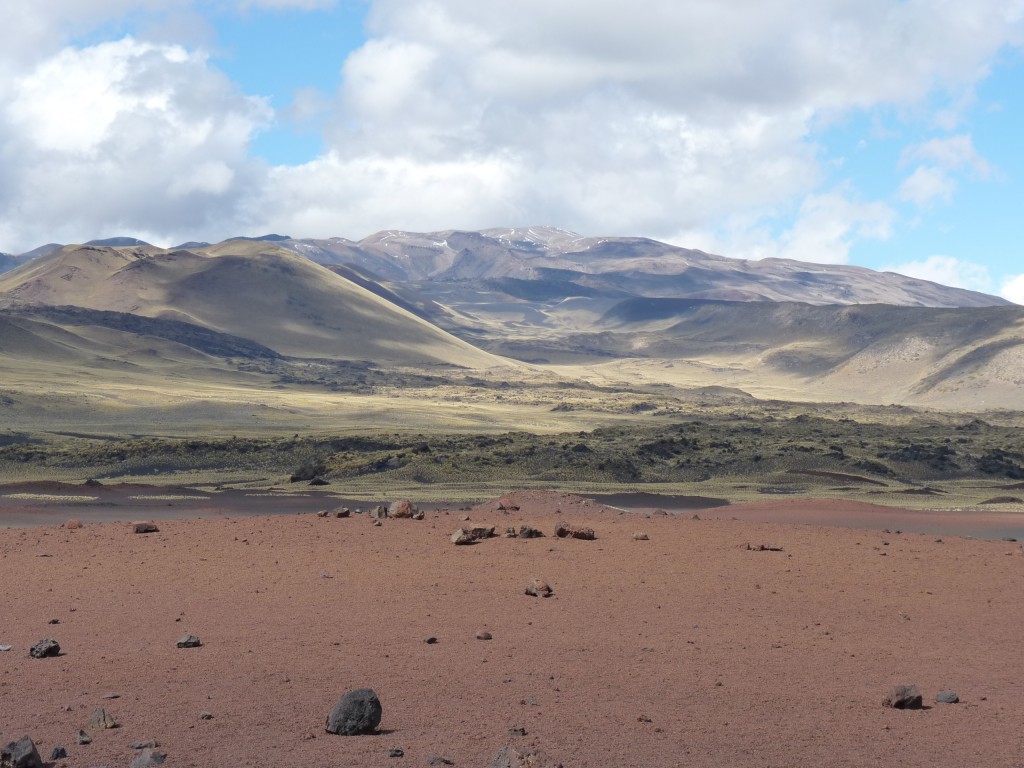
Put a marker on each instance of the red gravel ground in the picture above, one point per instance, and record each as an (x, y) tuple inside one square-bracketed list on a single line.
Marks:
[(684, 650)]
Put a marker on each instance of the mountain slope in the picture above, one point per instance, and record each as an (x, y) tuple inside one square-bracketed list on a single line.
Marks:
[(250, 289)]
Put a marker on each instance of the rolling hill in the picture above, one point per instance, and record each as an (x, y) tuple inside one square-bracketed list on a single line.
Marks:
[(248, 289)]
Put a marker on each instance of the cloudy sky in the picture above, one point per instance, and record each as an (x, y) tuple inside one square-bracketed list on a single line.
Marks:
[(884, 133)]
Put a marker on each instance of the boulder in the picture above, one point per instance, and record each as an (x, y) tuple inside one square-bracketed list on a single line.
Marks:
[(148, 758), (101, 720), (539, 588), (903, 697), (403, 508), (356, 712), (526, 532), (44, 648), (947, 697), (566, 531), (472, 535), (20, 754), (341, 512)]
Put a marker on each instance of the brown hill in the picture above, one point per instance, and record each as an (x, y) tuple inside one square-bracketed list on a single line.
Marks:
[(248, 289)]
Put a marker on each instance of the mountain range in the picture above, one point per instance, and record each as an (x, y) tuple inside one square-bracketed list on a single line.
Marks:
[(588, 308)]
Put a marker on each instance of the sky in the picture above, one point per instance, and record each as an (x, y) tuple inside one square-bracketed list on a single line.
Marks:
[(880, 133)]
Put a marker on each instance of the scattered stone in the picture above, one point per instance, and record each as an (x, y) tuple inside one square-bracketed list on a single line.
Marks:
[(342, 512), (403, 508), (464, 518), (322, 513), (149, 757), (378, 523), (695, 516), (396, 752), (144, 528), (6, 647), (510, 757), (73, 524), (58, 753), (378, 512), (206, 716), (148, 744), (763, 548), (356, 712), (641, 536), (539, 588), (660, 513), (418, 514), (44, 648), (431, 640), (526, 532), (903, 697), (503, 507), (517, 730), (20, 754), (53, 621), (84, 738), (510, 533), (189, 641), (111, 695), (566, 531), (438, 760), (472, 535), (101, 720), (947, 697), (483, 634)]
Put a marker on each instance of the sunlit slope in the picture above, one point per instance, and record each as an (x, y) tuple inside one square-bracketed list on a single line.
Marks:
[(253, 290)]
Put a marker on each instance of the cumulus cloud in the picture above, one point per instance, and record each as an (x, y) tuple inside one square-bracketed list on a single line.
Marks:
[(1013, 289), (605, 116), (124, 138), (947, 270)]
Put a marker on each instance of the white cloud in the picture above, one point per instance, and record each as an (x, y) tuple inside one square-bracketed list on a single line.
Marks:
[(926, 185), (1013, 289), (947, 270), (124, 137), (605, 116)]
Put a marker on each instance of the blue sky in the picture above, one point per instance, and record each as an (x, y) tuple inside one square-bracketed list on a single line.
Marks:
[(883, 135)]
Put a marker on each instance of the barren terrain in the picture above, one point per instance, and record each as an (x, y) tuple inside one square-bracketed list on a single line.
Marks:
[(686, 649)]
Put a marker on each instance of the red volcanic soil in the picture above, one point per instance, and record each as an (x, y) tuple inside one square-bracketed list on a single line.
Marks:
[(685, 650)]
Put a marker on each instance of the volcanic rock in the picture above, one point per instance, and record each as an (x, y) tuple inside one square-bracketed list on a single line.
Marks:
[(148, 757), (526, 532), (566, 531), (44, 648), (20, 754), (189, 641), (947, 697), (403, 508), (903, 697), (510, 757), (356, 712), (101, 720), (58, 753), (539, 588), (84, 738)]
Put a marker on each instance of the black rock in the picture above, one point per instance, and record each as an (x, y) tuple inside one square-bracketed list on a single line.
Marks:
[(438, 760), (20, 754), (44, 648), (356, 712), (396, 752), (318, 481), (431, 640), (144, 528), (58, 753), (189, 641), (84, 738), (947, 697), (903, 697)]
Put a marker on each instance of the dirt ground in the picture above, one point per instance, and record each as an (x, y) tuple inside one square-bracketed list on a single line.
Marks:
[(688, 649)]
